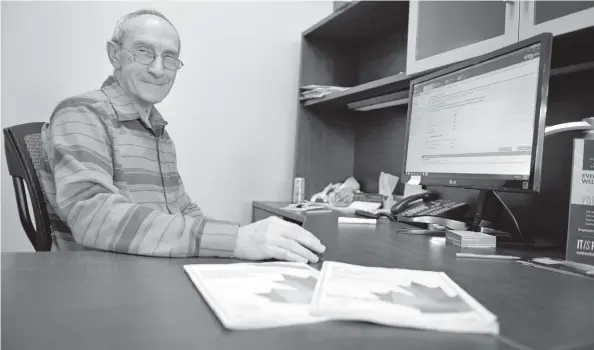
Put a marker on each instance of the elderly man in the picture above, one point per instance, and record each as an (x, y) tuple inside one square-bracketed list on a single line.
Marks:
[(109, 167)]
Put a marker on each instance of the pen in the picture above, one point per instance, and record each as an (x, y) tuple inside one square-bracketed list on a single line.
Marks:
[(487, 256)]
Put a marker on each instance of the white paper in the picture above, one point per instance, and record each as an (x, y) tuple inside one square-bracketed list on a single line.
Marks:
[(576, 265), (387, 184), (257, 295), (276, 294), (414, 180), (367, 206), (546, 261), (398, 297), (347, 220), (410, 190)]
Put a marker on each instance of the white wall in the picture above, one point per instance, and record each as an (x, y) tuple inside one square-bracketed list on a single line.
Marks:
[(231, 111)]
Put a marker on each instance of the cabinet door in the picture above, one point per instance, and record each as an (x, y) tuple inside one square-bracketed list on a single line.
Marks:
[(557, 17), (444, 32)]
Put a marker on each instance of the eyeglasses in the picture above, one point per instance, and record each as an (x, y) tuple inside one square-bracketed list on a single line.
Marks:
[(147, 57)]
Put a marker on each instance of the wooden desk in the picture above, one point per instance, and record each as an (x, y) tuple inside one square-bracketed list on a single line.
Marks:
[(93, 300), (262, 210)]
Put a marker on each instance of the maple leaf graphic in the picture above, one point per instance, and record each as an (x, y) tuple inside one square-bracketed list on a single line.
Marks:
[(299, 292), (425, 299)]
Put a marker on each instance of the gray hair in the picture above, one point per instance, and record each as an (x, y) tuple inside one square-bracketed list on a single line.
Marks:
[(119, 32)]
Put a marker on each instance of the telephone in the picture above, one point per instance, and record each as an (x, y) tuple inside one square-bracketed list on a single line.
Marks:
[(430, 205), (406, 202), (429, 210)]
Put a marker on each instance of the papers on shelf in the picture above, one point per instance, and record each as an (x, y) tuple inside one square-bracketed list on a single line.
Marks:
[(318, 91), (276, 294)]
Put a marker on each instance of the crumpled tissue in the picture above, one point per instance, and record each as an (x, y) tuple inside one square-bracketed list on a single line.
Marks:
[(339, 194)]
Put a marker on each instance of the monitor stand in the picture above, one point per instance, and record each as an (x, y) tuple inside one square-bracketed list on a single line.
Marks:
[(479, 224)]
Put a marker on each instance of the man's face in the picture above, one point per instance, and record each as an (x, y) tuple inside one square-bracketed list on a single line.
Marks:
[(148, 84)]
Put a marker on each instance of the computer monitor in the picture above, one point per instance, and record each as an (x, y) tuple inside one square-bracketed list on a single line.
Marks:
[(480, 124)]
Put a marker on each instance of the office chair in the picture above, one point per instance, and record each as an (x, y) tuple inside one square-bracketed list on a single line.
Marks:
[(22, 146)]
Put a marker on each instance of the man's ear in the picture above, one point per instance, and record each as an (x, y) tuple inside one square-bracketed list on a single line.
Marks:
[(112, 54)]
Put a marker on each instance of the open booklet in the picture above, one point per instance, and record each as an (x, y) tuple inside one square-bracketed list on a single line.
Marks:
[(398, 297), (257, 295), (275, 294)]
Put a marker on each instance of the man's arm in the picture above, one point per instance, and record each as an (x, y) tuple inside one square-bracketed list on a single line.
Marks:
[(100, 217)]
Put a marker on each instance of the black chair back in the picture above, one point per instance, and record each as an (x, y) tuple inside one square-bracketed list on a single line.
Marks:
[(22, 146)]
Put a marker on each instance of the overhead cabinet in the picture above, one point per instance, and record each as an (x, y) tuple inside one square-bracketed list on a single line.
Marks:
[(445, 32), (557, 17)]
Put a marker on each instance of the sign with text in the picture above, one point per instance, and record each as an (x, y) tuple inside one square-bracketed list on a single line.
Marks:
[(580, 232)]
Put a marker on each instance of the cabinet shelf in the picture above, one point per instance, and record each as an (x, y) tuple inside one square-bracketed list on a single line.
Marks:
[(361, 19), (397, 85), (574, 68)]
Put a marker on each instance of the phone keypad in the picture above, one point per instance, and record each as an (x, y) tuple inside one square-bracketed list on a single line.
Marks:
[(433, 208)]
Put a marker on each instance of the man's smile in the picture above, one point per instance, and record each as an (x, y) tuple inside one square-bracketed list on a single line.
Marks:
[(151, 83)]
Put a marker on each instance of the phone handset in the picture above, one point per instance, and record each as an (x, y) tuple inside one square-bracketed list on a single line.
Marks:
[(406, 202)]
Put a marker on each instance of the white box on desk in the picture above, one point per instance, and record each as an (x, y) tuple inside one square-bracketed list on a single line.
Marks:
[(580, 229), (470, 239)]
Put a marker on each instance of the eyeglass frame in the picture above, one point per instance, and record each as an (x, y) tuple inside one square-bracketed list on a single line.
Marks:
[(134, 53)]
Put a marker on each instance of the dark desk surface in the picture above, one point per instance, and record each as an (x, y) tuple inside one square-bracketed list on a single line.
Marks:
[(276, 208), (93, 300)]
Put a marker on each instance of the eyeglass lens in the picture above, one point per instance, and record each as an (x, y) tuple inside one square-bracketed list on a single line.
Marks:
[(148, 58)]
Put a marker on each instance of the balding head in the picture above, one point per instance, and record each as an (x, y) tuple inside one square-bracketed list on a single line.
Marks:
[(144, 52), (120, 30)]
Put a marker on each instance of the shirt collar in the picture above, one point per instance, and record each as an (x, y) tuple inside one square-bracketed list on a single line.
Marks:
[(124, 107)]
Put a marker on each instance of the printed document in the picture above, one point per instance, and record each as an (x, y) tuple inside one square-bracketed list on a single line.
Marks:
[(397, 297), (276, 294), (259, 294)]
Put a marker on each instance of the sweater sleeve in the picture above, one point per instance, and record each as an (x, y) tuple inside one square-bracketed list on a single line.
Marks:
[(188, 207), (100, 217)]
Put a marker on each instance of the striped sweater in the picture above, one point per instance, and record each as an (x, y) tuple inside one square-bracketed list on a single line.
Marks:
[(111, 182)]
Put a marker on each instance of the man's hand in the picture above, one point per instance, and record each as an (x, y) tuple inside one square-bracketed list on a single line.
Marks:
[(278, 239)]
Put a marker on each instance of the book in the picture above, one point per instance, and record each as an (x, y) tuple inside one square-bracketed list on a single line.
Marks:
[(277, 294), (580, 230)]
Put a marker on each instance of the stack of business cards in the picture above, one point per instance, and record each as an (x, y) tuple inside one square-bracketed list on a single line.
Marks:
[(470, 239)]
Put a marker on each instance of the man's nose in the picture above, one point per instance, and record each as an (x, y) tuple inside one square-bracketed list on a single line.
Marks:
[(156, 67)]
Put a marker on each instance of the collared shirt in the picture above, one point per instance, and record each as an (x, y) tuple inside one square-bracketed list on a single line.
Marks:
[(111, 182)]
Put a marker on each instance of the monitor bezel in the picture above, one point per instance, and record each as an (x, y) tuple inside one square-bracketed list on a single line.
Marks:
[(535, 178)]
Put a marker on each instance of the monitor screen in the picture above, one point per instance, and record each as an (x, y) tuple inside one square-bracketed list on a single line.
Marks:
[(476, 127)]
